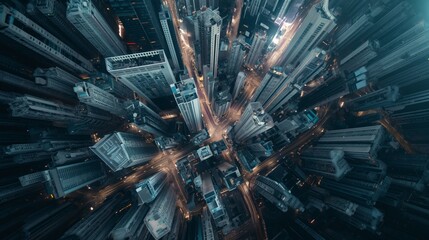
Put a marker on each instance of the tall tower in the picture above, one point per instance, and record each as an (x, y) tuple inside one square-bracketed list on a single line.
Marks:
[(121, 150), (26, 32), (69, 178), (148, 73), (310, 66), (236, 57), (326, 163), (131, 224), (145, 118), (148, 189), (170, 37), (185, 93), (359, 143), (209, 83), (313, 29), (97, 97), (222, 102), (140, 19), (88, 20), (269, 85), (277, 194), (258, 43), (160, 216), (253, 121), (213, 200), (239, 84), (207, 27)]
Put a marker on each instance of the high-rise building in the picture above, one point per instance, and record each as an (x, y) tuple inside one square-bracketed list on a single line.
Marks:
[(121, 150), (269, 85), (253, 122), (313, 29), (148, 189), (239, 84), (333, 88), (236, 57), (277, 194), (99, 223), (145, 118), (207, 227), (148, 73), (39, 224), (81, 119), (108, 83), (296, 124), (326, 163), (170, 37), (210, 83), (185, 93), (214, 203), (310, 66), (159, 219), (360, 56), (55, 12), (140, 20), (374, 100), (283, 9), (84, 15), (361, 143), (56, 79), (97, 97), (63, 180), (69, 156), (222, 101), (17, 26), (256, 49), (38, 108), (131, 225), (261, 149), (207, 28)]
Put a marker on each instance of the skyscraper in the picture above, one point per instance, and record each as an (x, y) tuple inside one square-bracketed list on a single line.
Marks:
[(148, 189), (159, 219), (143, 30), (121, 150), (222, 101), (359, 143), (269, 85), (186, 96), (207, 28), (170, 37), (148, 73), (98, 224), (326, 163), (252, 122), (239, 84), (277, 194), (26, 32), (84, 15), (56, 79), (145, 118), (313, 29), (256, 49), (131, 224), (210, 83), (236, 57), (214, 203), (97, 97), (69, 178)]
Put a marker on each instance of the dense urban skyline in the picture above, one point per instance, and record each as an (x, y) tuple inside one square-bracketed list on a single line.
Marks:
[(214, 119)]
